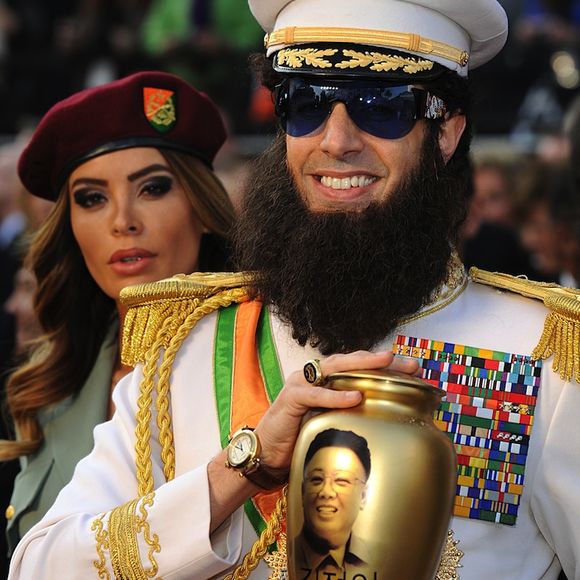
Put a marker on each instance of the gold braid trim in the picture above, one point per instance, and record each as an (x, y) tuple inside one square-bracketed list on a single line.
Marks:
[(120, 540), (561, 335), (161, 315), (225, 298), (142, 525), (260, 546), (102, 540), (143, 461), (401, 40)]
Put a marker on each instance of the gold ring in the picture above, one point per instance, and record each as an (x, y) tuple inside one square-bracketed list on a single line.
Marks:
[(313, 372)]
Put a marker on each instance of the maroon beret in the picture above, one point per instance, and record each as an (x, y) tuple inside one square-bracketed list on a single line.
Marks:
[(146, 109)]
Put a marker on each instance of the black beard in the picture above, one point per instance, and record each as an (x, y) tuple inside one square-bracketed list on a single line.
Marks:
[(343, 281)]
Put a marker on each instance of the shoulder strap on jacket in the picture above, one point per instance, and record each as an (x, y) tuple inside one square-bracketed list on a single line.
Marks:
[(157, 310), (561, 335)]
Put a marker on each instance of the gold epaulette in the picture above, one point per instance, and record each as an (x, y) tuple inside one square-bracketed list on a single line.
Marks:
[(156, 310), (561, 335)]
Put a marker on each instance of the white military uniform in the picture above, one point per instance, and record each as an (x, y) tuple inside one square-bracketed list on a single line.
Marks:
[(64, 544)]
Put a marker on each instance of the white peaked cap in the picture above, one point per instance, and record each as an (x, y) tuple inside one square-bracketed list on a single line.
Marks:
[(458, 34)]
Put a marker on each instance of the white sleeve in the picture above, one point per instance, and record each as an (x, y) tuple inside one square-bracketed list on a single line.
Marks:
[(556, 494), (91, 518)]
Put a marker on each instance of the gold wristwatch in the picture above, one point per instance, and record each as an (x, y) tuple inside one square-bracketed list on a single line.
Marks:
[(243, 455)]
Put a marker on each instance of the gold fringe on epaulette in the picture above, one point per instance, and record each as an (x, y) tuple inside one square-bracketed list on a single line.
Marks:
[(148, 323), (561, 335), (157, 309)]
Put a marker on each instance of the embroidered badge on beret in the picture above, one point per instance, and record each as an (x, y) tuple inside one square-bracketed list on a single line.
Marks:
[(159, 107)]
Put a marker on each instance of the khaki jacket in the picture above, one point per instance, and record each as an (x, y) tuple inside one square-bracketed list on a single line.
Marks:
[(68, 437)]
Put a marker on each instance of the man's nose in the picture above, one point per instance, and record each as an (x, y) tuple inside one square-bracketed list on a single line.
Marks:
[(327, 489), (340, 135)]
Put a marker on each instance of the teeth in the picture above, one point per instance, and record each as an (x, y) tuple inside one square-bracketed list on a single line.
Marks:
[(134, 259), (347, 182)]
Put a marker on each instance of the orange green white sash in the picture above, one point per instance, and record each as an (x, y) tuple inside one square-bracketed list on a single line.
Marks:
[(247, 378)]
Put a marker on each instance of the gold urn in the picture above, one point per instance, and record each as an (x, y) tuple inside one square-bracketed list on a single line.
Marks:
[(371, 487)]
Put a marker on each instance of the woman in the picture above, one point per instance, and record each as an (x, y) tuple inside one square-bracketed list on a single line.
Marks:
[(128, 165)]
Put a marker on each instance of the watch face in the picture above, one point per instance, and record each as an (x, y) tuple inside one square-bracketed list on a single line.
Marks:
[(241, 448)]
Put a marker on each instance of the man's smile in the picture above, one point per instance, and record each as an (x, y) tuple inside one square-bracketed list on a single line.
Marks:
[(347, 182)]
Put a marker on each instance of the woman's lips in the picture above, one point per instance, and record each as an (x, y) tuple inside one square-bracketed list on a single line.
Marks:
[(130, 262)]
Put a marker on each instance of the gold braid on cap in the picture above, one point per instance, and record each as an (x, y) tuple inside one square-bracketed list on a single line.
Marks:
[(561, 336), (160, 316), (399, 40)]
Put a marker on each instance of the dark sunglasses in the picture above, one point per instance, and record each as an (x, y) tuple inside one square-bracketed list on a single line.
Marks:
[(383, 110)]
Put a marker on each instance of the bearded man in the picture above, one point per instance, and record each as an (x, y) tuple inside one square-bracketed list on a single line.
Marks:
[(348, 235)]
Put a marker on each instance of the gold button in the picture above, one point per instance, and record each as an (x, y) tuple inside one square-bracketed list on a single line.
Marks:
[(9, 512)]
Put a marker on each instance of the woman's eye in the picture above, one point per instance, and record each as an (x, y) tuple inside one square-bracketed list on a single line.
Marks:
[(158, 186), (87, 198)]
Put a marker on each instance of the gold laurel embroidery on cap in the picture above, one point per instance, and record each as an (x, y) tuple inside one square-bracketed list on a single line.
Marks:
[(296, 57), (449, 563), (383, 62)]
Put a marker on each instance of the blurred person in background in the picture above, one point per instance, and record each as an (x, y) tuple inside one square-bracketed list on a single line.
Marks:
[(128, 165), (547, 206), (489, 238), (20, 304), (17, 320), (569, 230), (571, 130), (12, 218), (12, 225)]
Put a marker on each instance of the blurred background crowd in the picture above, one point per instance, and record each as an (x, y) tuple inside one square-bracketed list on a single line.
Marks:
[(525, 210)]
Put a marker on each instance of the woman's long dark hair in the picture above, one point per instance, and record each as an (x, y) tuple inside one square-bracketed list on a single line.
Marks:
[(75, 314)]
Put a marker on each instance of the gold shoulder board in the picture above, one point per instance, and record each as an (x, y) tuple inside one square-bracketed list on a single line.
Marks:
[(157, 310), (561, 335)]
